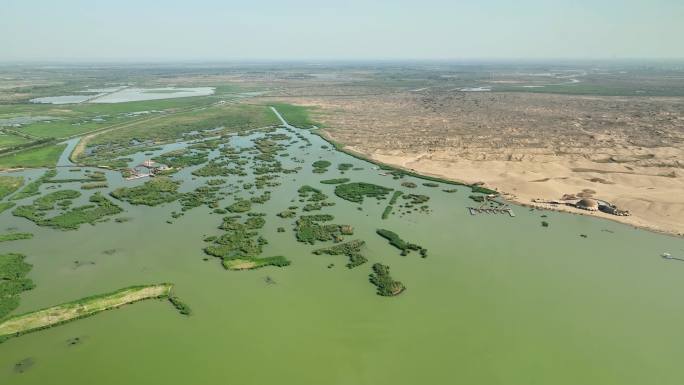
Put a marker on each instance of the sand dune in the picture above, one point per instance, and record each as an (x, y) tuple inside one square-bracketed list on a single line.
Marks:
[(655, 202)]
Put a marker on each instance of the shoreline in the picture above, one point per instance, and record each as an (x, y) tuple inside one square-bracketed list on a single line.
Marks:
[(594, 214), (507, 196), (437, 177)]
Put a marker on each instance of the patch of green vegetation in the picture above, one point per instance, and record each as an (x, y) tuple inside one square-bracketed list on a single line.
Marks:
[(152, 193), (71, 219), (240, 206), (450, 190), (114, 164), (315, 197), (215, 168), (483, 190), (355, 192), (47, 201), (254, 221), (8, 140), (296, 116), (400, 244), (28, 144), (13, 281), (9, 184), (335, 181), (94, 185), (383, 281), (232, 88), (63, 128), (216, 182), (320, 166), (255, 263), (390, 206), (210, 144), (15, 236), (310, 228), (4, 206), (409, 184), (395, 196), (173, 126), (46, 156), (387, 211), (203, 195), (181, 158), (181, 306), (477, 198), (263, 198), (351, 249), (287, 214), (268, 147), (311, 194), (238, 241), (262, 181), (316, 206), (94, 176), (416, 199), (240, 246), (81, 118), (430, 184), (344, 166), (33, 188)]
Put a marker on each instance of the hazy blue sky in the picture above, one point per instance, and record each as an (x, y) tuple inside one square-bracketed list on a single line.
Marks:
[(344, 29)]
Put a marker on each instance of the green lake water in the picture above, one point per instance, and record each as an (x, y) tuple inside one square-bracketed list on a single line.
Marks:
[(498, 300)]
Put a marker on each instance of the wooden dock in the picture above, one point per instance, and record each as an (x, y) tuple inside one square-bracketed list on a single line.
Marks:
[(480, 210)]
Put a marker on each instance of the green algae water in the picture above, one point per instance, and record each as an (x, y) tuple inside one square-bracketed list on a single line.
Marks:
[(498, 300)]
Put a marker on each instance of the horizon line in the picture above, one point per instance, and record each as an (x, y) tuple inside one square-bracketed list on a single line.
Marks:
[(465, 60)]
